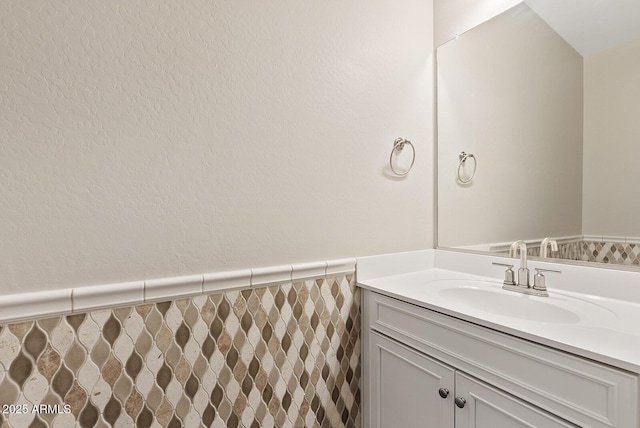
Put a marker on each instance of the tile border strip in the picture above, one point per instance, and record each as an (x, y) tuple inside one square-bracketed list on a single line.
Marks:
[(40, 304), (501, 247), (498, 247), (35, 305), (612, 239)]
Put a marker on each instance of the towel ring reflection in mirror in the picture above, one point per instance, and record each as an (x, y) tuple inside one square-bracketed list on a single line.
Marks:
[(398, 145), (462, 156)]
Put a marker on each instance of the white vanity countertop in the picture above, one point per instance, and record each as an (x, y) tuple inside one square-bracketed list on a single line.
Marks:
[(603, 329)]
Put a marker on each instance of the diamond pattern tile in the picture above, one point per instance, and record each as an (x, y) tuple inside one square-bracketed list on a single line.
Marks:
[(590, 251), (286, 355), (609, 252)]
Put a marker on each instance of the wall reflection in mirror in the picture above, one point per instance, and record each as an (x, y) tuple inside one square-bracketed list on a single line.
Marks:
[(547, 99)]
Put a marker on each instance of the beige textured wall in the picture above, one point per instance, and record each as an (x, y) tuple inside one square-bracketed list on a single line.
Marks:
[(612, 142), (510, 92), (150, 139)]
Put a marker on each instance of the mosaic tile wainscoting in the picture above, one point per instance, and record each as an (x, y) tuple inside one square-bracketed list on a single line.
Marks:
[(282, 355), (597, 251), (610, 252), (568, 251), (623, 253)]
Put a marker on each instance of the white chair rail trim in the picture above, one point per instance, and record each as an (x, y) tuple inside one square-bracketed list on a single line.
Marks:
[(41, 304)]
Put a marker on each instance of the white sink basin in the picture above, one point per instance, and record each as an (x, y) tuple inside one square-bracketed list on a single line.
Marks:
[(512, 305), (489, 297)]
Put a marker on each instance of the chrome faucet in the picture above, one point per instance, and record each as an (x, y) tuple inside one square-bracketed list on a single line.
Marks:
[(523, 272), (539, 287), (544, 247)]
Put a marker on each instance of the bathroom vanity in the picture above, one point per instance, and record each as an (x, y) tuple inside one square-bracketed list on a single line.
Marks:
[(448, 347)]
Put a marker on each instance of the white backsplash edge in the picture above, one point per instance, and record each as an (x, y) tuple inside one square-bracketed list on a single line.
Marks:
[(394, 264), (42, 304)]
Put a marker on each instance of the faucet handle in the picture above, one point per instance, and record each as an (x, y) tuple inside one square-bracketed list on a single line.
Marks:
[(539, 281), (509, 276)]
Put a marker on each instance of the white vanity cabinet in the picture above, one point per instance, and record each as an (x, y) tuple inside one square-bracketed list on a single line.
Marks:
[(417, 362), (409, 389)]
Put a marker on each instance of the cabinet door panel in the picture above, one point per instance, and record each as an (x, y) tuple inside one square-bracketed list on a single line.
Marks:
[(487, 407), (405, 387)]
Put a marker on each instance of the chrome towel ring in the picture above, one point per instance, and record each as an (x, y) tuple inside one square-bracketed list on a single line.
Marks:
[(462, 156), (398, 145)]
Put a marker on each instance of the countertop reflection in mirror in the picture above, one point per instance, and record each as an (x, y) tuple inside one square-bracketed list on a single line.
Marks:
[(548, 94)]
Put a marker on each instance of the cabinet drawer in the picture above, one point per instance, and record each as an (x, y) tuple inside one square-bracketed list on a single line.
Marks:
[(576, 389)]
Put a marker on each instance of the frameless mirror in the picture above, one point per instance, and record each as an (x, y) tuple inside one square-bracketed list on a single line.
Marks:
[(539, 131)]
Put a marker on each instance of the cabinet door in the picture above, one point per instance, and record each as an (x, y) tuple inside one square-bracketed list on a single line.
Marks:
[(406, 388), (487, 407)]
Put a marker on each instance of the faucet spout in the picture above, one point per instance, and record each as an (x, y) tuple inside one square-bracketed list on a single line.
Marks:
[(523, 272), (522, 247), (544, 247)]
